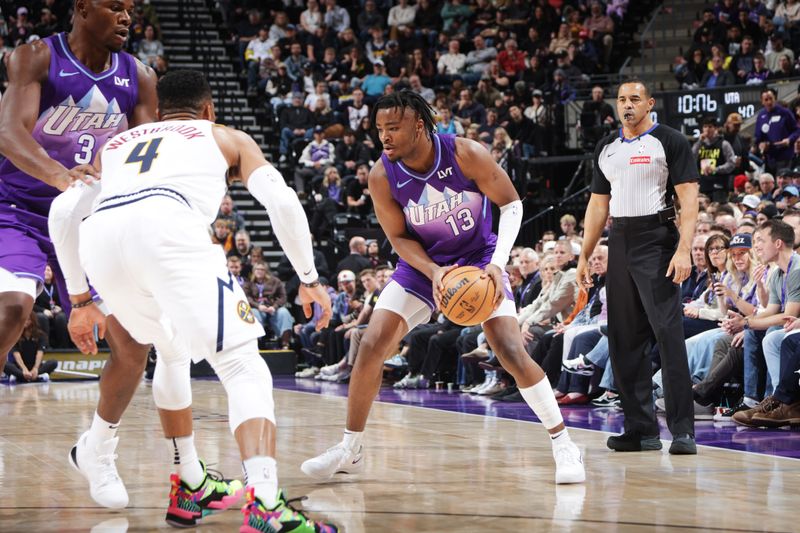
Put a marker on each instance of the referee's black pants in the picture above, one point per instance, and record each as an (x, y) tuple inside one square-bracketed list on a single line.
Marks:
[(643, 302)]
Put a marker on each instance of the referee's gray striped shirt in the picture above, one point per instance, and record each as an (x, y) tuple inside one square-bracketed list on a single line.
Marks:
[(640, 173)]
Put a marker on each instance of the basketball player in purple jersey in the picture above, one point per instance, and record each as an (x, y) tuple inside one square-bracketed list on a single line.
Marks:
[(431, 194), (67, 95)]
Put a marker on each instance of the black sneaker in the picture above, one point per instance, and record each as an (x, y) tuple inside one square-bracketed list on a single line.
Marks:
[(607, 400), (508, 391), (633, 442), (516, 396), (683, 445)]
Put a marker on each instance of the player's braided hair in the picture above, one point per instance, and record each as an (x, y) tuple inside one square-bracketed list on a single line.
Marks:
[(403, 99)]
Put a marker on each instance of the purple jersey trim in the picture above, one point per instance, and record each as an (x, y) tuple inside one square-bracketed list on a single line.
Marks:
[(437, 148), (74, 60)]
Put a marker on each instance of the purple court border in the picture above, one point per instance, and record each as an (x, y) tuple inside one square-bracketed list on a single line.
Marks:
[(728, 435)]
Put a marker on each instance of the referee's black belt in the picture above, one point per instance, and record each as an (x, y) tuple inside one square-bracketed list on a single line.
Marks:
[(662, 217)]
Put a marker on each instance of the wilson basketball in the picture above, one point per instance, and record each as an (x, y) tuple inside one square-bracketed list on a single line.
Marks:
[(467, 299)]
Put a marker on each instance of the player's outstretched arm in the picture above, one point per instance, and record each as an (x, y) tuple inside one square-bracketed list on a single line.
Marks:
[(493, 181), (286, 215), (66, 213), (27, 70)]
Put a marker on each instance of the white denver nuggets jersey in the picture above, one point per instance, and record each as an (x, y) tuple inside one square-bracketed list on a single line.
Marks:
[(178, 159)]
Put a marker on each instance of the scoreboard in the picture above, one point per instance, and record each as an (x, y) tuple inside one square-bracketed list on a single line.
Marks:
[(684, 110)]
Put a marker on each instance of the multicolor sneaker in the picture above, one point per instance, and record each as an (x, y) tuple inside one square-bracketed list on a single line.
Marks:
[(283, 517), (187, 506)]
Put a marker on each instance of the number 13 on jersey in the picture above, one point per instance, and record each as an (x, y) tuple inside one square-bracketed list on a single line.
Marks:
[(463, 221), (144, 153)]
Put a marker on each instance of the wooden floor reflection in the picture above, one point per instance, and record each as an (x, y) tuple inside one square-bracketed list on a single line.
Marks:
[(427, 470)]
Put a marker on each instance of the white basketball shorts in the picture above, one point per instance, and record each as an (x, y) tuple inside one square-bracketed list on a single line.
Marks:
[(154, 265)]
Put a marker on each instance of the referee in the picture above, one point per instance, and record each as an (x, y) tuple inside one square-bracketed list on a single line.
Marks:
[(638, 170)]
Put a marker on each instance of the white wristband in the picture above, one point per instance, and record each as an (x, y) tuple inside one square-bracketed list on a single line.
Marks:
[(287, 217), (507, 230)]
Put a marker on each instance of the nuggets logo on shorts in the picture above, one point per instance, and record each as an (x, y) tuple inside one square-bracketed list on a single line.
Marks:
[(244, 312)]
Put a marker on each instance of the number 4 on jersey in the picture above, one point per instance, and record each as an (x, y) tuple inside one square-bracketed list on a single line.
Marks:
[(144, 153)]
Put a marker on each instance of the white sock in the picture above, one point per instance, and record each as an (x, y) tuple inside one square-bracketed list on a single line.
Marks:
[(185, 456), (101, 431), (352, 440), (542, 401), (559, 438), (261, 473)]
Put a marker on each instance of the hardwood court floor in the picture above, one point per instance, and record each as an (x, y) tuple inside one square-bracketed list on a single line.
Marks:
[(427, 470)]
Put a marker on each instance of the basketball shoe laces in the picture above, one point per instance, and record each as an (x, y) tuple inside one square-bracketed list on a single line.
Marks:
[(334, 449), (280, 507), (108, 469), (564, 455), (216, 481)]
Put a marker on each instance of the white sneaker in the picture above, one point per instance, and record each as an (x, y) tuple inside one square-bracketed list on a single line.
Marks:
[(336, 460), (99, 468), (404, 383), (491, 382), (496, 387), (309, 372), (569, 463), (44, 377), (330, 370), (396, 361)]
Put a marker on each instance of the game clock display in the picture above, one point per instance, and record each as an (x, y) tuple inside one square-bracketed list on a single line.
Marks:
[(684, 110)]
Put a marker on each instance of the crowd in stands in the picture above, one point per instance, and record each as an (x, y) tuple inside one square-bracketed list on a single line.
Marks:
[(745, 42), (498, 72)]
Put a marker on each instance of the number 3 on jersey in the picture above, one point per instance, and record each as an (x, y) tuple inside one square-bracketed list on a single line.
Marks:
[(86, 143), (144, 153)]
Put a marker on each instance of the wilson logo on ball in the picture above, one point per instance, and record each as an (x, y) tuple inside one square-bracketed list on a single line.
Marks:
[(452, 290)]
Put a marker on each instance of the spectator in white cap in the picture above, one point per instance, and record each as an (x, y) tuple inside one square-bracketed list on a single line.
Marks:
[(751, 201)]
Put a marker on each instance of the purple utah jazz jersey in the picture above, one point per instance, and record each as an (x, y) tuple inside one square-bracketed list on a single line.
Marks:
[(78, 111), (445, 211)]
